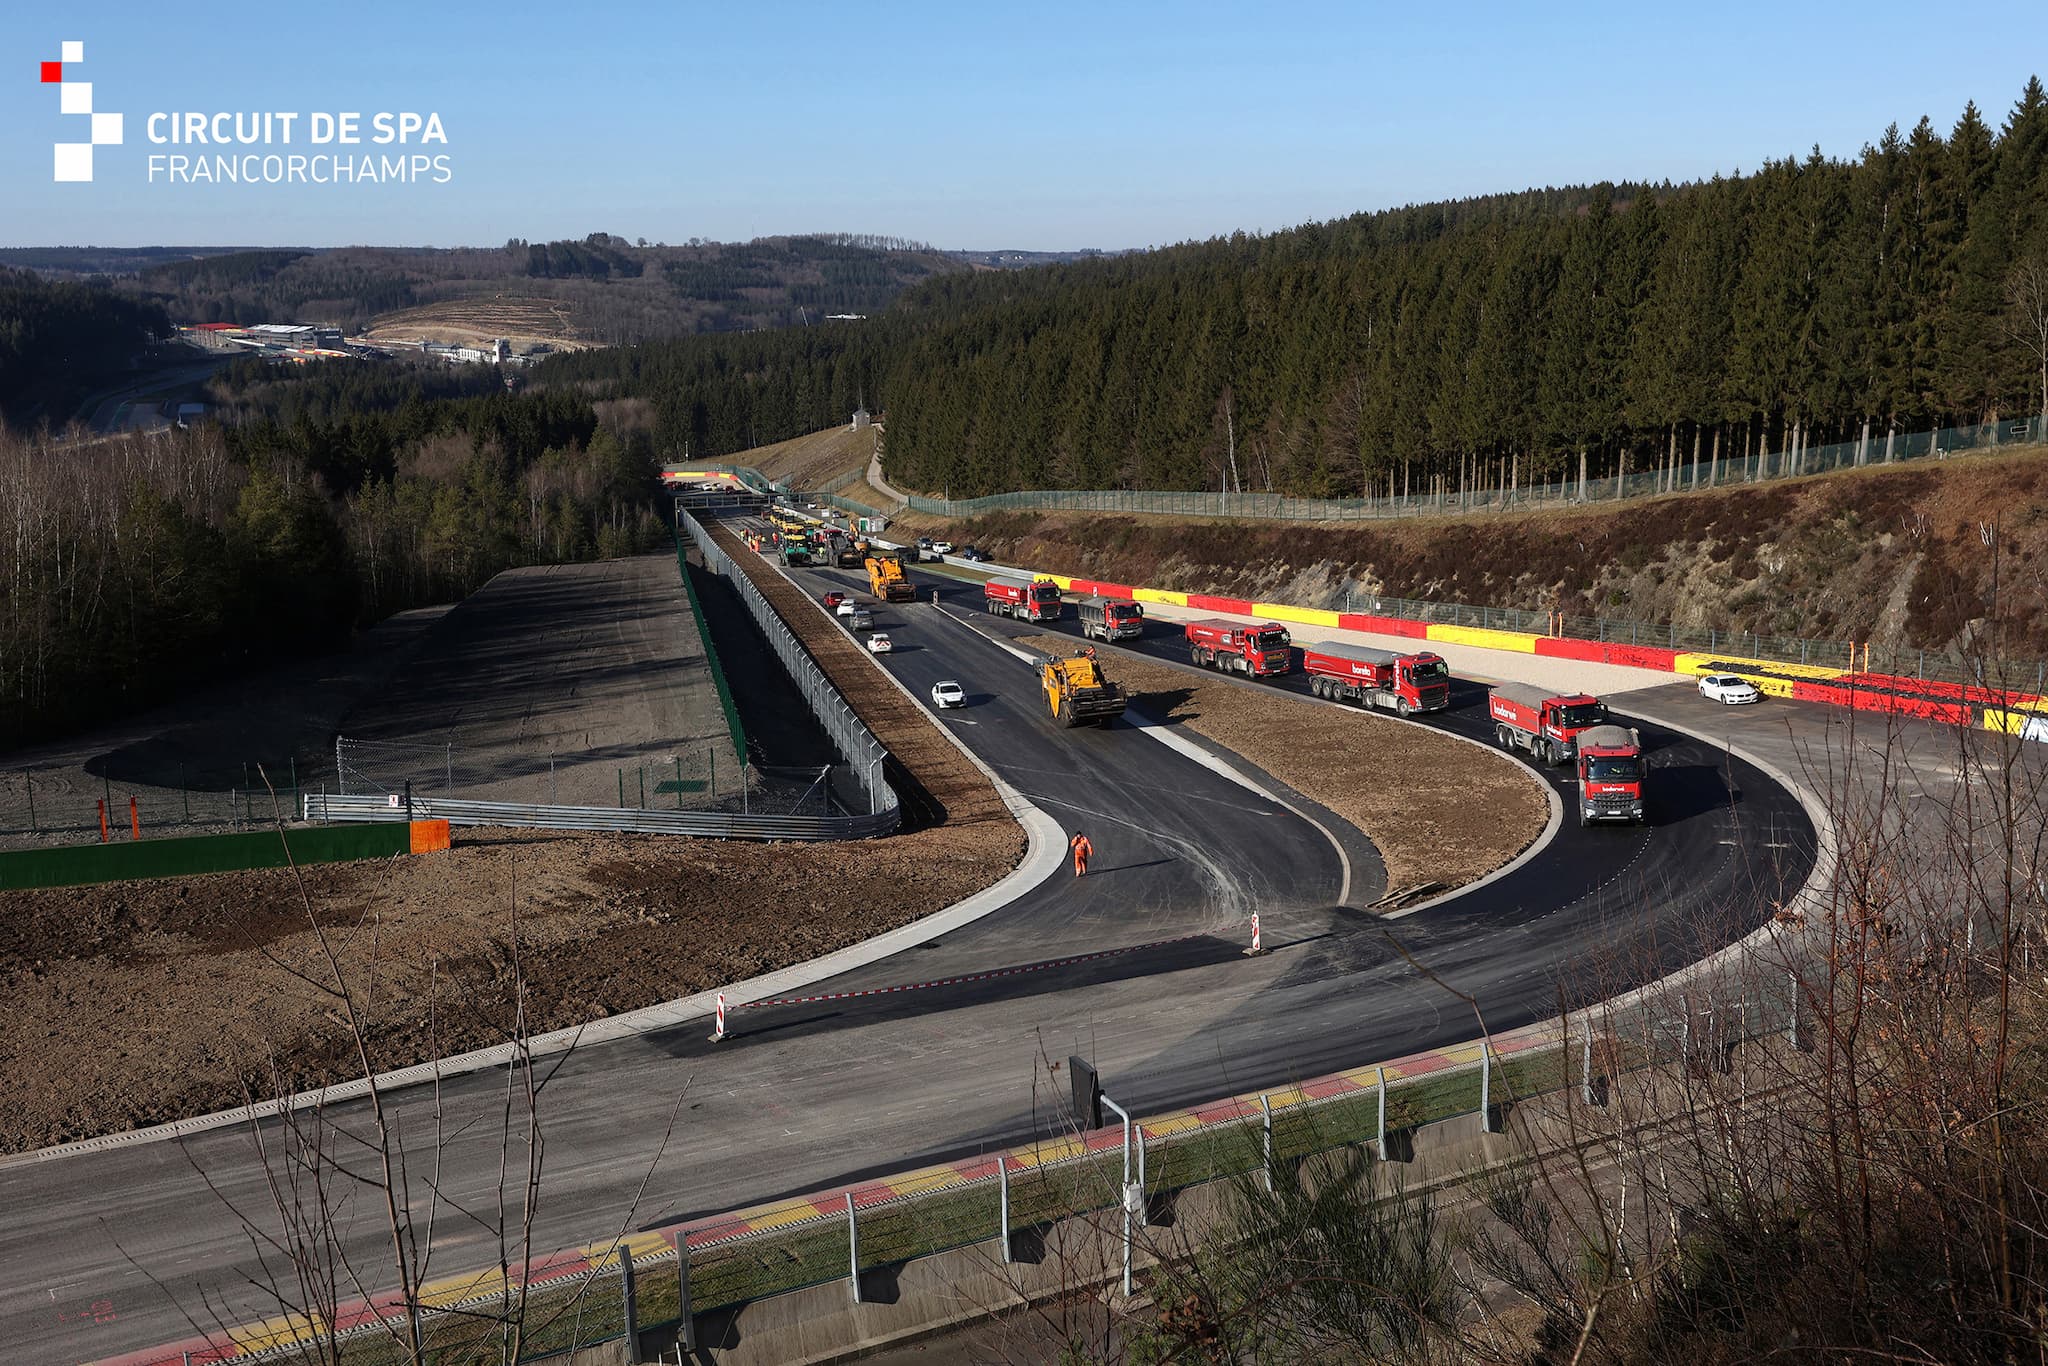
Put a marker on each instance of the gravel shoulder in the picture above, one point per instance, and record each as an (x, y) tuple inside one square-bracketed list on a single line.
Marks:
[(1438, 809)]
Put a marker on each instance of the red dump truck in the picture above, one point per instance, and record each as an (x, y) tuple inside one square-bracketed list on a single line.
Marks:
[(1022, 599), (1359, 674), (1110, 618), (1610, 775), (1260, 648), (1544, 723)]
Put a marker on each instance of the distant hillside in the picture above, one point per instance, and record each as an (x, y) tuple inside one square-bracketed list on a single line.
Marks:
[(601, 290)]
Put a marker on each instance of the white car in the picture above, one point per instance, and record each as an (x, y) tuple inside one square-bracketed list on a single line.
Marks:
[(846, 607), (942, 547), (947, 693), (878, 644), (1728, 689)]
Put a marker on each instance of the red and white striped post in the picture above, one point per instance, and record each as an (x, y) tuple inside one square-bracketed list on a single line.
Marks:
[(718, 1031), (1254, 951)]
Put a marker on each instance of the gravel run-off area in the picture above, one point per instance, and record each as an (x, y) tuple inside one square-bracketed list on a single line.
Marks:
[(1438, 809), (128, 1004)]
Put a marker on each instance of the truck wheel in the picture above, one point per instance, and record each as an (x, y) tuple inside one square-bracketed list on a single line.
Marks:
[(1584, 819), (1500, 737), (1402, 707)]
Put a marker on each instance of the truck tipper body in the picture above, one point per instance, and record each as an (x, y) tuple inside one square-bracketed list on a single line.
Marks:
[(1110, 618), (1544, 723), (1402, 683), (1260, 648), (1077, 690), (1022, 599), (887, 581), (1610, 772)]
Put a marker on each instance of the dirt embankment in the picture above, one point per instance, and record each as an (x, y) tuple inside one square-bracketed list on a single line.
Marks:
[(1896, 557), (1368, 769), (133, 1003)]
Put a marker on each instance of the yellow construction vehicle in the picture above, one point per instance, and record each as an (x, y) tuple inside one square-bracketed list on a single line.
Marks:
[(886, 580), (1078, 691)]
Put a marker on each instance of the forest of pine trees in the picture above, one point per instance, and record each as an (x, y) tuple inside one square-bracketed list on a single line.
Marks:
[(1382, 351)]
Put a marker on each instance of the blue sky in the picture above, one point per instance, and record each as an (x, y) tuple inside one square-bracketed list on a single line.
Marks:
[(1049, 126)]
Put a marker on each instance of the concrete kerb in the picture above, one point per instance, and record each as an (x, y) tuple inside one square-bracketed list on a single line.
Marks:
[(1044, 852)]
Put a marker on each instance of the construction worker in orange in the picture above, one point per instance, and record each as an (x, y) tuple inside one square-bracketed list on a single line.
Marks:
[(1082, 851)]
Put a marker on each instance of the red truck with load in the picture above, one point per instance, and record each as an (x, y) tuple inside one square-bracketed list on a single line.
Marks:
[(1610, 775), (1110, 618), (1544, 723), (1260, 648), (1403, 683), (1024, 600)]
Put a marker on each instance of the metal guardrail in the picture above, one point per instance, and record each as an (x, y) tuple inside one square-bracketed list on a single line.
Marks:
[(864, 753), (330, 806)]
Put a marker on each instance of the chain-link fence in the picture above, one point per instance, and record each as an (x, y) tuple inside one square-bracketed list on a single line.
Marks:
[(863, 752), (1712, 471), (106, 800)]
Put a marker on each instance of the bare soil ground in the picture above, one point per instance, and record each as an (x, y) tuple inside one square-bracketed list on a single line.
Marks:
[(1365, 768), (134, 1003), (128, 1004), (1892, 556), (522, 320)]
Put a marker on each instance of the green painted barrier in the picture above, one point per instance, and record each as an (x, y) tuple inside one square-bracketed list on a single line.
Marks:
[(732, 714), (78, 864)]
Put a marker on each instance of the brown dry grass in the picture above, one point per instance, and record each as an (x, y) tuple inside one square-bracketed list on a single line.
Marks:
[(807, 462), (1477, 811), (472, 321)]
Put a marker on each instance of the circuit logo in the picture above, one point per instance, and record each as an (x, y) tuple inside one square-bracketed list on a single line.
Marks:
[(74, 159)]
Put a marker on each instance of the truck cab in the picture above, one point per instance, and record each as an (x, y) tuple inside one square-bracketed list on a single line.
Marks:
[(1610, 772)]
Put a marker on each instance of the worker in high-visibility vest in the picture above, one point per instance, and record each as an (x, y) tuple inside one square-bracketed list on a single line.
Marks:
[(1082, 851)]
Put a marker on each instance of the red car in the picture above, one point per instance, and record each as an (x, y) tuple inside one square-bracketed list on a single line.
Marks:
[(834, 598)]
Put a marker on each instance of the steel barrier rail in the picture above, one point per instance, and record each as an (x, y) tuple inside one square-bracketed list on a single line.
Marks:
[(863, 752), (329, 806)]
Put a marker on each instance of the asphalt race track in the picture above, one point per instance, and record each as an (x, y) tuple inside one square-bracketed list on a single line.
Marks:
[(803, 1096)]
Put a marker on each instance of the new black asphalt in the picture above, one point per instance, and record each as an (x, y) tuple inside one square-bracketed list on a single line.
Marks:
[(803, 1096)]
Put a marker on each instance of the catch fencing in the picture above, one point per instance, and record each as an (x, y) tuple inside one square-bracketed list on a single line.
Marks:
[(1726, 470), (863, 752), (772, 1250), (112, 802), (755, 825)]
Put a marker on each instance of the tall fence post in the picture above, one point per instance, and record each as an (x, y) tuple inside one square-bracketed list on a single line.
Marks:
[(340, 772), (1003, 1202), (1266, 1138), (629, 1302), (852, 1249), (1485, 1088), (1381, 1136), (686, 1323)]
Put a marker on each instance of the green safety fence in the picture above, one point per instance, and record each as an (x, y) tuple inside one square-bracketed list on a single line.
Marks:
[(732, 715), (79, 864)]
